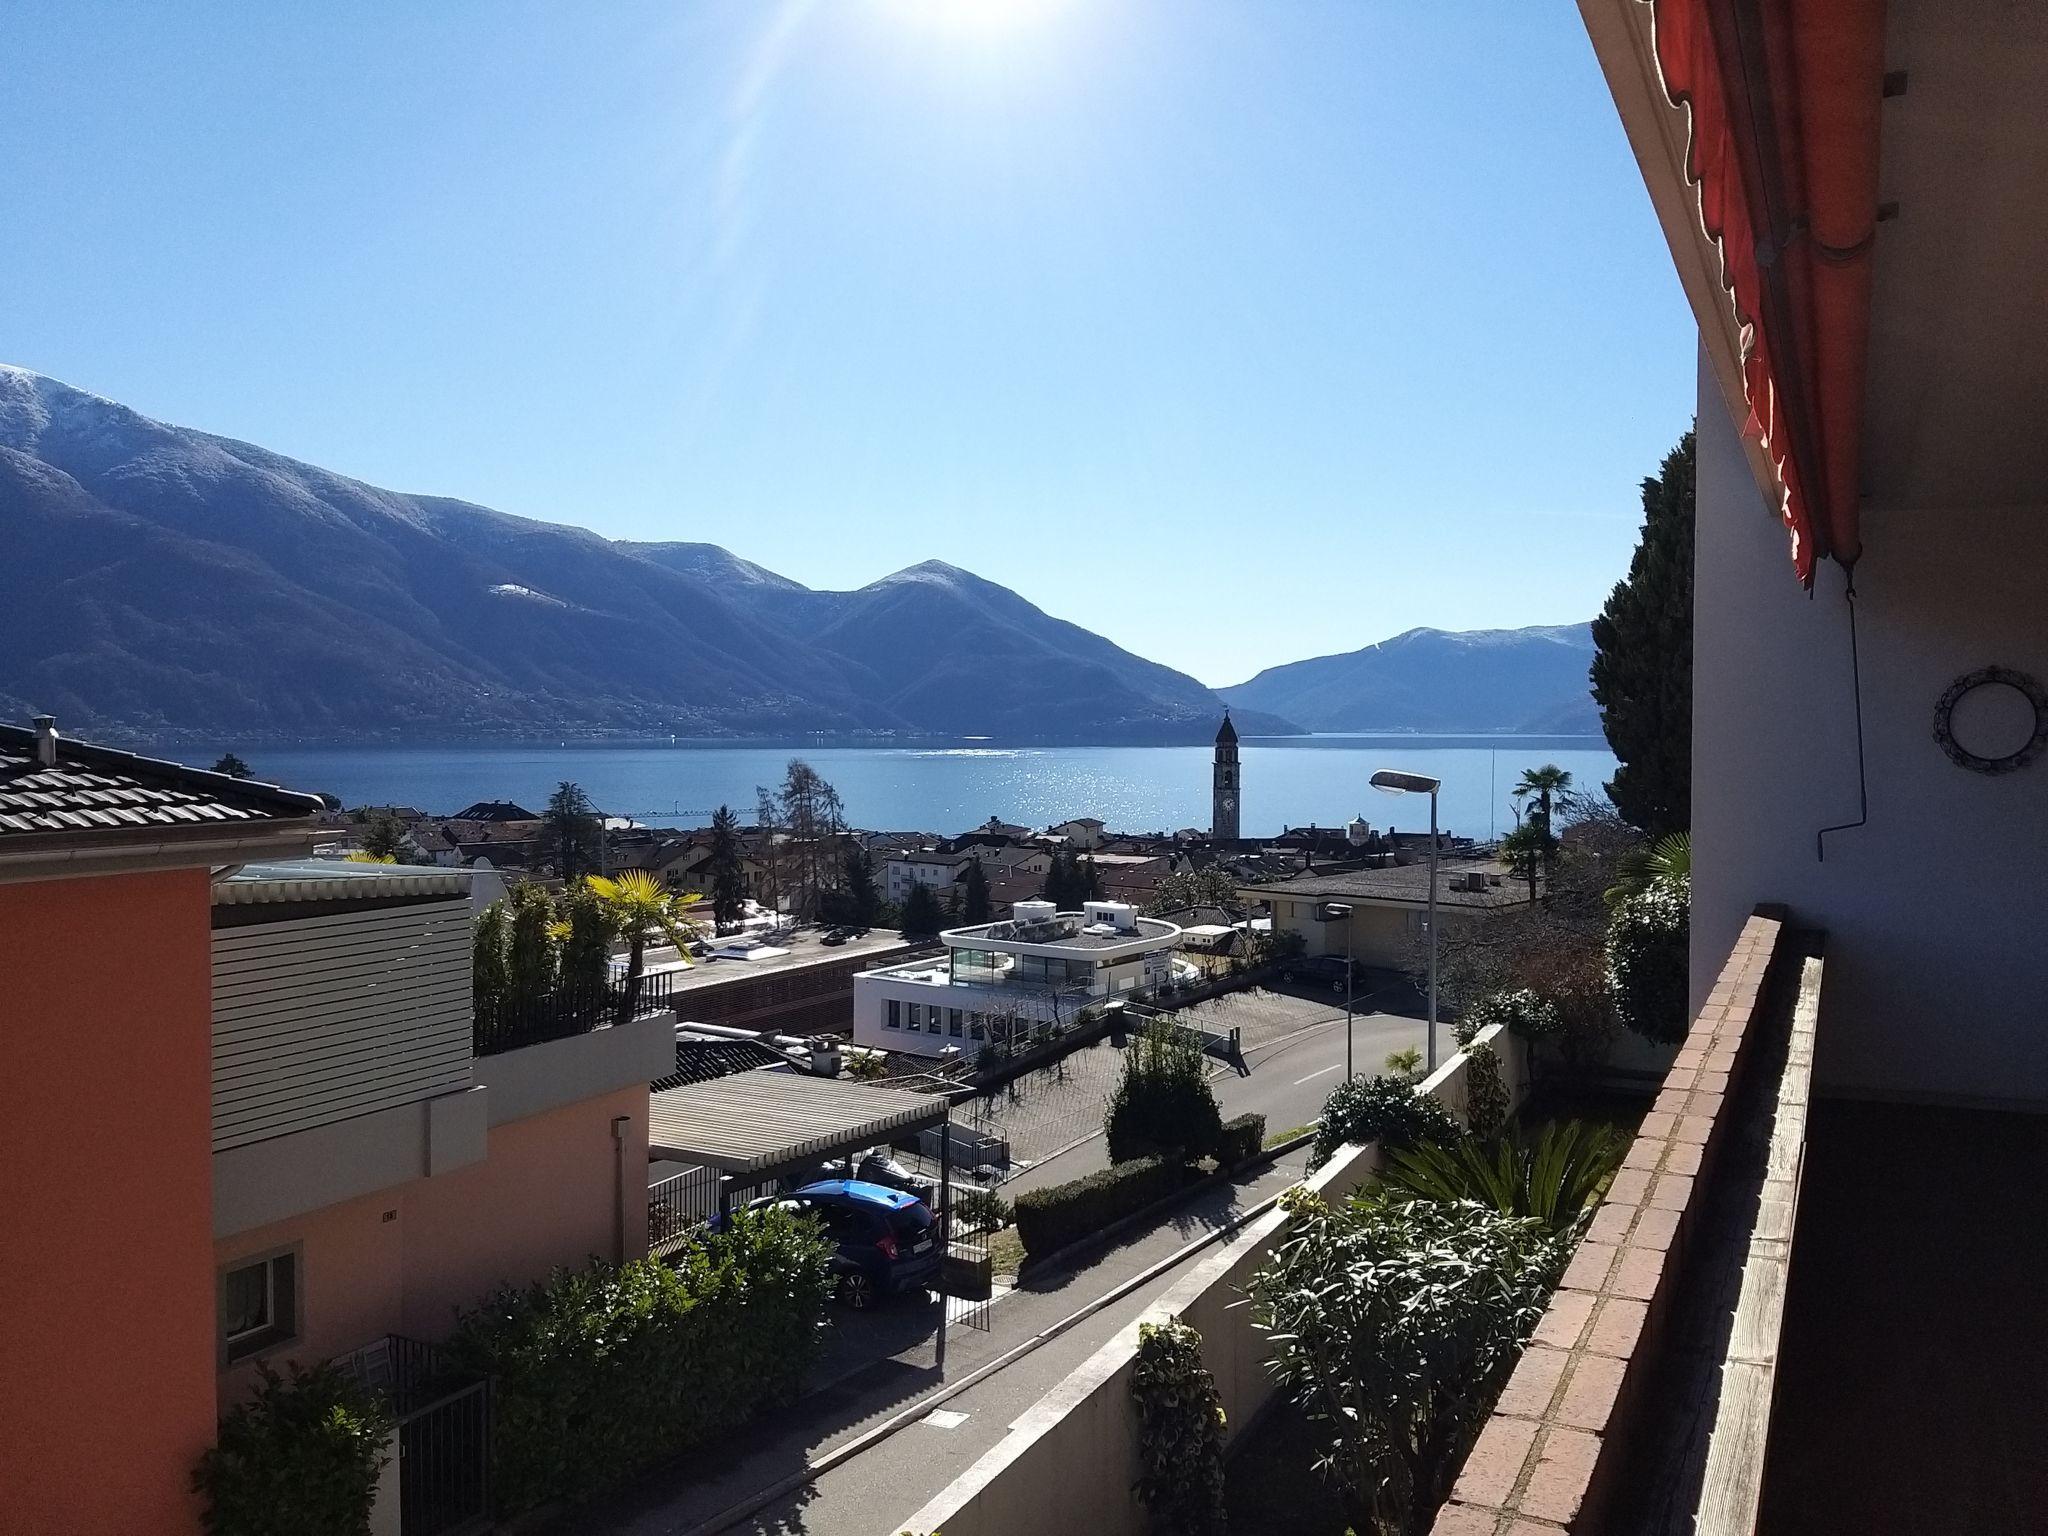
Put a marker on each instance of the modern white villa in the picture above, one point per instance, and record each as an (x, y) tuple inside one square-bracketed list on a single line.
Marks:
[(1001, 980)]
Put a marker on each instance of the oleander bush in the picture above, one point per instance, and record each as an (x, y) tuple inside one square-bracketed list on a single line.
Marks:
[(1525, 1012), (1387, 1110), (604, 1370), (1647, 939), (1051, 1218), (300, 1458), (1393, 1325)]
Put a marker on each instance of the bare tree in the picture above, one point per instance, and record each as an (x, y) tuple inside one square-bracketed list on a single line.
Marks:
[(811, 811)]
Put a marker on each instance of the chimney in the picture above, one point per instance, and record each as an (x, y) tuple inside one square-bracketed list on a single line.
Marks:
[(45, 727)]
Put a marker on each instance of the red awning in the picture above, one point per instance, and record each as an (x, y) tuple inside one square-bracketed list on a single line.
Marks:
[(1784, 99)]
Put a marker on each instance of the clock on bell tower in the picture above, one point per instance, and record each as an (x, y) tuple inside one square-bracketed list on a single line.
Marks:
[(1224, 785)]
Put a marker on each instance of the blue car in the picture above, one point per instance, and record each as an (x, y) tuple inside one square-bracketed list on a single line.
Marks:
[(885, 1240)]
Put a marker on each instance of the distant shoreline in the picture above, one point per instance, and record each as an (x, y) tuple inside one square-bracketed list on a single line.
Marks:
[(188, 741)]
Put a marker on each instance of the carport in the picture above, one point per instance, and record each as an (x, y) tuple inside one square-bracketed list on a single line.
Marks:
[(758, 1126)]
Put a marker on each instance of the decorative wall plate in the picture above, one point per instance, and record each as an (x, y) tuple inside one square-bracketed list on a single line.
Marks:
[(1959, 752)]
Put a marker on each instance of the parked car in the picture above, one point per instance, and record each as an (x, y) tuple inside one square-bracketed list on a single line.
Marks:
[(885, 1240), (832, 936), (1317, 971)]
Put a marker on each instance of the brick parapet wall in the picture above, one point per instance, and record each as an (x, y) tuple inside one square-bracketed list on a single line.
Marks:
[(815, 999), (1549, 1457)]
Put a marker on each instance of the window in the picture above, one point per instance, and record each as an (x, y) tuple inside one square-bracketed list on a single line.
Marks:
[(934, 1024), (917, 1015), (259, 1305), (894, 1018), (953, 1022)]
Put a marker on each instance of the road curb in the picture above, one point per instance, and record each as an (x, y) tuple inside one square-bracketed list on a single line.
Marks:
[(867, 1440)]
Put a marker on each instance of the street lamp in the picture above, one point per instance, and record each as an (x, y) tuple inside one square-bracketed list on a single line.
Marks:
[(1330, 913), (1395, 782)]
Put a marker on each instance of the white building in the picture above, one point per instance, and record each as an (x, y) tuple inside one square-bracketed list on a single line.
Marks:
[(1003, 979), (1082, 832), (928, 867)]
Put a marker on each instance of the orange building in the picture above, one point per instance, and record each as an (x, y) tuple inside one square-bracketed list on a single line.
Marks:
[(243, 1118)]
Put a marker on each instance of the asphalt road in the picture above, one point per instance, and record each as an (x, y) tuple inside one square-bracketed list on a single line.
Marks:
[(1287, 1079), (1290, 1075)]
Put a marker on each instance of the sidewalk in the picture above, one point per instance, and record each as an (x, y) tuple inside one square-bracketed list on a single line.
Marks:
[(894, 1478)]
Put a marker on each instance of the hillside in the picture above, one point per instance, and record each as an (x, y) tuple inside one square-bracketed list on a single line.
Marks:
[(156, 579), (1531, 680)]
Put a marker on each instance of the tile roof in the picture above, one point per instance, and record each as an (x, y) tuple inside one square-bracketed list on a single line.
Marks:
[(705, 1061), (90, 791)]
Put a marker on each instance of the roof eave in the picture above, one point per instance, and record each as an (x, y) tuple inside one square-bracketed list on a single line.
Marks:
[(76, 855)]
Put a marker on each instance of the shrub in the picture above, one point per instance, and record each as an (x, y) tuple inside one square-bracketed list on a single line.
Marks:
[(1163, 1104), (1243, 1139), (1060, 1214), (1383, 1109), (1487, 1100), (1646, 958), (1405, 1063), (983, 1208), (1528, 1014), (603, 1370), (1552, 1180), (1180, 1432), (1392, 1326), (300, 1458)]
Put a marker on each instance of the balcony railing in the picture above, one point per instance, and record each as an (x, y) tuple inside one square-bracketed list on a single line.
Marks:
[(508, 1022)]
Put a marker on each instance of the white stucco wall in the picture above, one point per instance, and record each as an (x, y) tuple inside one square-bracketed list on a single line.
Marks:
[(1937, 910)]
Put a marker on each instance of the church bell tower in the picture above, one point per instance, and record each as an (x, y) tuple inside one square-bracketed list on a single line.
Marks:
[(1225, 786)]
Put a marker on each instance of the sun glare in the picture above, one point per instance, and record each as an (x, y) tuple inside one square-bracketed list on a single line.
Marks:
[(976, 17)]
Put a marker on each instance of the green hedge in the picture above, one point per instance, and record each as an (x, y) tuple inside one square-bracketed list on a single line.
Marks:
[(604, 1370), (300, 1458), (1060, 1214), (1243, 1139), (1387, 1110)]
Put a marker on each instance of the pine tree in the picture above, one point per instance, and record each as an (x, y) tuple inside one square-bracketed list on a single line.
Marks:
[(232, 766), (976, 884), (1642, 661), (728, 883), (384, 837), (921, 915), (571, 832), (862, 898)]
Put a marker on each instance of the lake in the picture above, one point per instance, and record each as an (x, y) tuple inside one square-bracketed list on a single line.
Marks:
[(1288, 781)]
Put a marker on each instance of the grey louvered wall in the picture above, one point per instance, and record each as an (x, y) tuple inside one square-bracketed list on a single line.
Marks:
[(318, 1019)]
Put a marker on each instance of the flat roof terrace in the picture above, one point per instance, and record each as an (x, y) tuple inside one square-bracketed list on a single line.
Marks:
[(804, 948)]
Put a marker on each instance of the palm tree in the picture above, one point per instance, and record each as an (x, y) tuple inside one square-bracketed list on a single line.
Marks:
[(640, 902), (1544, 783), (1669, 858)]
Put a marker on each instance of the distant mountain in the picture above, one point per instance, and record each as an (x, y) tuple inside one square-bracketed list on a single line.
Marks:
[(157, 581), (1530, 680)]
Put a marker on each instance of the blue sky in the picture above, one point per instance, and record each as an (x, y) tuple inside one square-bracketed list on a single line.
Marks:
[(1237, 330)]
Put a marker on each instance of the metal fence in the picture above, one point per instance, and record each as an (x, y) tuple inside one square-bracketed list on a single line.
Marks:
[(443, 1430), (508, 1022), (682, 1205)]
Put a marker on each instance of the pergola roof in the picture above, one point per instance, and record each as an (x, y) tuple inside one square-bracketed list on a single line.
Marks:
[(757, 1121)]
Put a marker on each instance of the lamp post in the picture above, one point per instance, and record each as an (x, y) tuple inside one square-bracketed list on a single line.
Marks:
[(1331, 912), (1395, 782)]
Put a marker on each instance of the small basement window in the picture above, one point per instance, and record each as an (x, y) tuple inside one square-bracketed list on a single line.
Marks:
[(259, 1305)]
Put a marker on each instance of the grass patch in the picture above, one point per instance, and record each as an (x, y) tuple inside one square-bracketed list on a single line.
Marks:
[(1275, 1138), (1005, 1251)]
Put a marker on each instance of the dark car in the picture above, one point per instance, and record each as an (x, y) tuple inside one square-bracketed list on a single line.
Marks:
[(885, 1239), (1317, 971), (832, 936)]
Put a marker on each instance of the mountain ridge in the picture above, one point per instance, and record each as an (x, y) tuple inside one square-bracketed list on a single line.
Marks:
[(1530, 680), (158, 581)]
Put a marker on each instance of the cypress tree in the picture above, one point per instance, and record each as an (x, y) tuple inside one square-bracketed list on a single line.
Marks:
[(1642, 658), (728, 881), (976, 884)]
